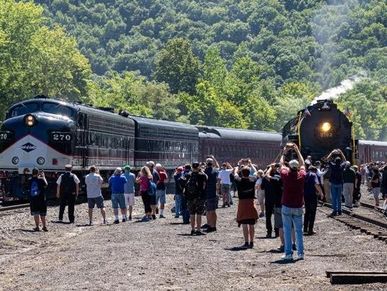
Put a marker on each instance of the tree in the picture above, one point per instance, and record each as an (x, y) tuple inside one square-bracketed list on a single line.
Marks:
[(177, 66), (35, 59)]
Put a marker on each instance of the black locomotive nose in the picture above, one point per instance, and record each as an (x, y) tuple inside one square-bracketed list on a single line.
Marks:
[(30, 120)]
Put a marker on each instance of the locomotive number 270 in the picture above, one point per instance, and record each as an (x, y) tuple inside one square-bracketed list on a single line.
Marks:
[(59, 137)]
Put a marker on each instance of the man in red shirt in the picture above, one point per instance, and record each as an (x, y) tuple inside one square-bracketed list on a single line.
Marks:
[(293, 178)]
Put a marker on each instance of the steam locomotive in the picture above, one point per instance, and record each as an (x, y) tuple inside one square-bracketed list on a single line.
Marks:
[(318, 129), (322, 127)]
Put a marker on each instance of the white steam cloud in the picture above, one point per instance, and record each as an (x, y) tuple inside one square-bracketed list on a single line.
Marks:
[(335, 92)]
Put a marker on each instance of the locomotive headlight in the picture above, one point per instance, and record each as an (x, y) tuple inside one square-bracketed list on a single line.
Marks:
[(40, 161), (30, 120), (326, 126)]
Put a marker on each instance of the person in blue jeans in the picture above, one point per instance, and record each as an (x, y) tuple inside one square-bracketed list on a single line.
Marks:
[(178, 191), (336, 179), (293, 179)]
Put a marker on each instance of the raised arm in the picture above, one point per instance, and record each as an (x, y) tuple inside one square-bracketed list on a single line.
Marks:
[(299, 156)]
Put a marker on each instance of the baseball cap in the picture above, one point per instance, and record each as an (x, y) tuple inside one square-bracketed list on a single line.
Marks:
[(126, 167)]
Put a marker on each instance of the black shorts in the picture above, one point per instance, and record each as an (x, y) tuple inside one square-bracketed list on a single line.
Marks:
[(195, 206), (38, 205)]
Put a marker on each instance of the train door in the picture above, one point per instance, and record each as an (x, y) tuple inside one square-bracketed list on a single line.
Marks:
[(83, 124)]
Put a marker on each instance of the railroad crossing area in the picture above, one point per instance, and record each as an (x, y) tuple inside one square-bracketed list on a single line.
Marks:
[(161, 255)]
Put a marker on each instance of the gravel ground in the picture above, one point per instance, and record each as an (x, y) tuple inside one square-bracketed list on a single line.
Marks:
[(160, 255)]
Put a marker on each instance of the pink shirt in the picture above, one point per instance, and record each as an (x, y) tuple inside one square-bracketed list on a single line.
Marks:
[(144, 184)]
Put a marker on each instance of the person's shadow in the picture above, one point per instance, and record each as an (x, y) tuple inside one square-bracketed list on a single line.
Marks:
[(237, 249)]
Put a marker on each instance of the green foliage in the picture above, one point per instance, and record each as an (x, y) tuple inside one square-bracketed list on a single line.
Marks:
[(245, 64), (134, 94), (368, 105), (35, 59), (177, 66)]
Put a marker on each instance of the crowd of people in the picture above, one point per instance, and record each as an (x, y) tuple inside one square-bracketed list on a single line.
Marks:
[(284, 190)]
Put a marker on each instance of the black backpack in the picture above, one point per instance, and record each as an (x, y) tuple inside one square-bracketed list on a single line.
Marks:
[(191, 189), (67, 185)]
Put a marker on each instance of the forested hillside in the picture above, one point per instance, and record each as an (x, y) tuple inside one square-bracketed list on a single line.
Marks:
[(249, 64)]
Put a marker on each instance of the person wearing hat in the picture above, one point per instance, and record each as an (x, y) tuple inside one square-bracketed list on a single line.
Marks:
[(293, 179), (129, 189), (67, 190)]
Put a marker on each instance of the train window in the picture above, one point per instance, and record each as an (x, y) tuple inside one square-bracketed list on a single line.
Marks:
[(57, 108), (24, 108)]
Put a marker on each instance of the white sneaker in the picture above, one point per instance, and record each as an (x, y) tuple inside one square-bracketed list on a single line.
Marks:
[(287, 257), (300, 257)]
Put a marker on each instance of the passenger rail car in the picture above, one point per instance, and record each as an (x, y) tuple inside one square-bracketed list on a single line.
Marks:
[(320, 128), (169, 143), (230, 145), (370, 150)]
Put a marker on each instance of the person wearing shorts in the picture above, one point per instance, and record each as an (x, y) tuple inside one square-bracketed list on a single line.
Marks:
[(194, 193), (225, 183), (93, 183), (260, 193), (161, 188), (211, 172), (116, 183), (129, 190), (36, 185)]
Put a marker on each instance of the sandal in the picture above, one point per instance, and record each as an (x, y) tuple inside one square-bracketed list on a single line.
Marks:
[(36, 229)]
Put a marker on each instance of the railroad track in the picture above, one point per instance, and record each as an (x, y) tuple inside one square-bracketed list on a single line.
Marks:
[(366, 224), (12, 207)]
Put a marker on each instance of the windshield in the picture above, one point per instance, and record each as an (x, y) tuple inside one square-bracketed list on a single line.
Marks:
[(57, 108), (49, 107), (24, 108)]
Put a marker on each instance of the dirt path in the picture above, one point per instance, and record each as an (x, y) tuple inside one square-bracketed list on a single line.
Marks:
[(160, 255)]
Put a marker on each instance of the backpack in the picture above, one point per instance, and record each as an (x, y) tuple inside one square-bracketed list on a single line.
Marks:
[(34, 191), (152, 188), (67, 185), (191, 190)]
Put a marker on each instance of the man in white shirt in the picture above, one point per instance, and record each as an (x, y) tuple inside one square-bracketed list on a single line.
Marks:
[(94, 195), (225, 183)]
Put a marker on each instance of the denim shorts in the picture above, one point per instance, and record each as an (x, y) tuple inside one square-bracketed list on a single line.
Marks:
[(118, 201), (93, 201), (160, 195), (212, 204)]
